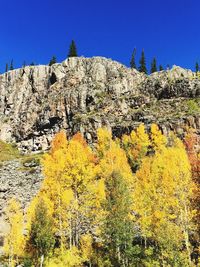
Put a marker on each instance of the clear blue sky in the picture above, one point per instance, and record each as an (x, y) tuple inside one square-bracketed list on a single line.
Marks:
[(37, 29)]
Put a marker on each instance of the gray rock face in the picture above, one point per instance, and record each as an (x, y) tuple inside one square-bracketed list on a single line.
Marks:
[(17, 181), (82, 94), (173, 83)]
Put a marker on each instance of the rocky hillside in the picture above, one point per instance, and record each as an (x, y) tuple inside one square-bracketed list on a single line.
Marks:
[(82, 94), (20, 177)]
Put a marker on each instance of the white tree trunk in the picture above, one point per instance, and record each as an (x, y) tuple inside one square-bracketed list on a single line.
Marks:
[(41, 260)]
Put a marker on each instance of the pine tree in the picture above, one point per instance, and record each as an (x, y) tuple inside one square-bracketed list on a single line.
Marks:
[(11, 65), (24, 64), (41, 238), (132, 62), (161, 68), (32, 64), (142, 67), (197, 67), (72, 50), (153, 65), (52, 61)]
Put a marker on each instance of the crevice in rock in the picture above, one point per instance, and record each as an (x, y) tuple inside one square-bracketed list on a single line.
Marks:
[(5, 105), (31, 81), (89, 100), (53, 78), (23, 72), (51, 123), (68, 114), (119, 131)]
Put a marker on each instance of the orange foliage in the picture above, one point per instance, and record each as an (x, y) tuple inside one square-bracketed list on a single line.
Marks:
[(193, 150), (59, 141)]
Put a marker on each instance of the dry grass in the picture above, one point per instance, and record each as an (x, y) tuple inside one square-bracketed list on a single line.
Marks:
[(8, 152)]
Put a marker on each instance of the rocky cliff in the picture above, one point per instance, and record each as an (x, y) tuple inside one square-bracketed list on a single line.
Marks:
[(82, 94), (20, 179)]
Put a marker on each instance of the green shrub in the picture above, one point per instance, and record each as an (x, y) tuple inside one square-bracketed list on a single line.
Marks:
[(27, 262), (193, 107), (8, 151)]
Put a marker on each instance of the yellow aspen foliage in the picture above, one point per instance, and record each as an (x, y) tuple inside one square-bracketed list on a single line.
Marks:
[(59, 141), (53, 187), (114, 160), (80, 177), (14, 240), (70, 185), (126, 203), (30, 214), (79, 138), (100, 192), (68, 258), (136, 146), (158, 140), (162, 197), (104, 137), (86, 247), (87, 150)]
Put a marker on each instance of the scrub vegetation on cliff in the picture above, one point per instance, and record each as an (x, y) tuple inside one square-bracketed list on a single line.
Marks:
[(132, 201), (8, 151)]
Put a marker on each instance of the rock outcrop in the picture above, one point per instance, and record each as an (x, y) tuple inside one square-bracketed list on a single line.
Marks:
[(82, 94), (20, 181)]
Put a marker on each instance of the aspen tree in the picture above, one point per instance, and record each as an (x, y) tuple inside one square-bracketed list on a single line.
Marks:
[(162, 197), (14, 240)]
